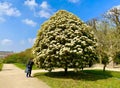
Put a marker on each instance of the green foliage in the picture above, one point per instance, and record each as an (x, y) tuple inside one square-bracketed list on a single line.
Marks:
[(11, 59), (1, 60), (64, 41), (105, 59), (107, 30), (1, 64), (109, 43), (21, 57), (117, 58), (84, 79)]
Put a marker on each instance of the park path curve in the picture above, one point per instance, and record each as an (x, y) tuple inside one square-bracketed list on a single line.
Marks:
[(13, 77)]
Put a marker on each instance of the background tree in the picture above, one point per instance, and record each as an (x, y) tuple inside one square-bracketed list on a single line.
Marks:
[(117, 57), (113, 15), (93, 24), (64, 41), (108, 34)]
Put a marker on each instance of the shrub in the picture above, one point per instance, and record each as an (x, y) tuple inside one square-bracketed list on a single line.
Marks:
[(21, 57), (1, 64), (117, 58)]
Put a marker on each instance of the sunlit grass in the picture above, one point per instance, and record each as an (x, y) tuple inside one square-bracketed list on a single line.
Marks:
[(85, 79), (23, 66)]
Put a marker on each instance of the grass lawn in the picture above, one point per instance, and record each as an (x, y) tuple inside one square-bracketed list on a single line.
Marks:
[(23, 66), (85, 79)]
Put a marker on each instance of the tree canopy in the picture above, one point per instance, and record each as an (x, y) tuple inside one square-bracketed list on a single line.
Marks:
[(64, 41)]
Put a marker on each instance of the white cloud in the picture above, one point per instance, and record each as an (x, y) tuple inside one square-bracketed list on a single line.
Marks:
[(29, 22), (44, 14), (45, 10), (31, 40), (44, 5), (30, 3), (7, 9), (6, 42), (42, 10), (26, 41), (74, 1)]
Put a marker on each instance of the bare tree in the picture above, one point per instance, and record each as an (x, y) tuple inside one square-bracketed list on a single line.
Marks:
[(113, 15), (93, 23)]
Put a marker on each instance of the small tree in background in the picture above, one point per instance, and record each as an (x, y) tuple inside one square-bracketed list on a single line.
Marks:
[(105, 59), (117, 57), (64, 41)]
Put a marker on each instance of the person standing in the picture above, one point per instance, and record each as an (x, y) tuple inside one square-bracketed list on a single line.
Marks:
[(29, 68)]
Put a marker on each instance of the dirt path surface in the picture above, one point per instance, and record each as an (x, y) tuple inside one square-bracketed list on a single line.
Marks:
[(13, 77), (100, 66)]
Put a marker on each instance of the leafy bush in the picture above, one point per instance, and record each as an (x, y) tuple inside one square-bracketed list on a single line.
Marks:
[(117, 58), (15, 58), (1, 64), (21, 57)]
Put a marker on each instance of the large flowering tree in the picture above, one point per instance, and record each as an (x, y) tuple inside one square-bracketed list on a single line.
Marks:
[(64, 41)]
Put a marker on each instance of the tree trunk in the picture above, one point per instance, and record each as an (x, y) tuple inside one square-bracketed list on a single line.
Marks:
[(104, 67), (66, 69), (82, 68)]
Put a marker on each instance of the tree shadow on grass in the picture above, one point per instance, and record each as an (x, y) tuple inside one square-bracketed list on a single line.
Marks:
[(89, 75)]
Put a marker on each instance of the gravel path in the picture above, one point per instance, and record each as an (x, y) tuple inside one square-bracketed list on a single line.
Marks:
[(13, 77)]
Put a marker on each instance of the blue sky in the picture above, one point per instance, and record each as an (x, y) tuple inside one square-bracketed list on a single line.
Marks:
[(21, 19)]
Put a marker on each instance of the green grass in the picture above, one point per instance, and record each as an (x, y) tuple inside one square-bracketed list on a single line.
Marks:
[(23, 66), (19, 65), (85, 79)]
